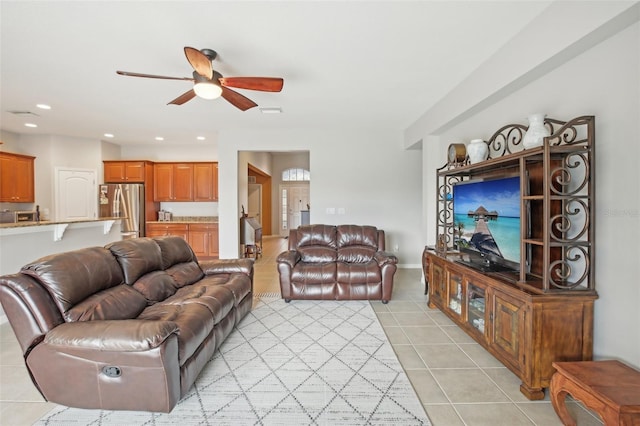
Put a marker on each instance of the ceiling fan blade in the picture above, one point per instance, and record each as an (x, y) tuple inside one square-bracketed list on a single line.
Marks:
[(163, 77), (185, 97), (265, 84), (199, 62), (236, 99)]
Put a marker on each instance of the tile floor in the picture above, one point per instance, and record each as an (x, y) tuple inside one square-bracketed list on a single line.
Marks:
[(458, 382)]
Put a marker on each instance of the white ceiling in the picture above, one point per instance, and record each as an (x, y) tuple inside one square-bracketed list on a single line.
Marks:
[(359, 64)]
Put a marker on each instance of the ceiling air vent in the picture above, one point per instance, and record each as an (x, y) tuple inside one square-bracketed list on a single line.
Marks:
[(24, 113)]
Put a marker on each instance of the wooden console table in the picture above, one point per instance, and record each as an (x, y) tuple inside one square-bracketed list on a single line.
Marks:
[(610, 388)]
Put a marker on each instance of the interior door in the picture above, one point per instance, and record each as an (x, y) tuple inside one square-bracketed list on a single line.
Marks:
[(255, 201), (76, 194), (294, 198)]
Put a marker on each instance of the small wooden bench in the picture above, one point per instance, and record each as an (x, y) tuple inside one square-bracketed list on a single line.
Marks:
[(610, 388)]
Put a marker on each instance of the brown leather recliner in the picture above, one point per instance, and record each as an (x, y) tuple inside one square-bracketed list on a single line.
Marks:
[(345, 262), (124, 327)]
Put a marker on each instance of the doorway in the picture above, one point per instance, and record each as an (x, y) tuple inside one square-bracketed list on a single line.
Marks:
[(294, 199), (76, 194)]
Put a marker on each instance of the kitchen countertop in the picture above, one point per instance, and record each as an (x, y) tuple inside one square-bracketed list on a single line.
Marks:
[(187, 219), (49, 222)]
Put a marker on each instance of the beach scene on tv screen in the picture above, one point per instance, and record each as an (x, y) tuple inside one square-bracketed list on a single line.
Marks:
[(487, 217)]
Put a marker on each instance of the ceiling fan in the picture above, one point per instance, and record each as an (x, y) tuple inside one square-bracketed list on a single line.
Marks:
[(210, 84)]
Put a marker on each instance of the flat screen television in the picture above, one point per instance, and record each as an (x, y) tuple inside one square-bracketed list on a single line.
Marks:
[(486, 214)]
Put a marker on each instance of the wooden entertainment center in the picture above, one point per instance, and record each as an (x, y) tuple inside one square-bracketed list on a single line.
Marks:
[(543, 312)]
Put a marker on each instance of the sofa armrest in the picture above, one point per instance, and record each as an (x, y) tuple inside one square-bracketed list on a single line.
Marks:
[(290, 257), (227, 266), (112, 335), (385, 258)]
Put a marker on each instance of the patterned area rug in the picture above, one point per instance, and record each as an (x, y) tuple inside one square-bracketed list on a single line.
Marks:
[(298, 363)]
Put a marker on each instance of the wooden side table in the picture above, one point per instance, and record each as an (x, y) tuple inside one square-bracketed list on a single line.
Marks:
[(610, 388)]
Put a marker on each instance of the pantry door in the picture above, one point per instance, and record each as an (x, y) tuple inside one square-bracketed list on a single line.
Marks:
[(76, 194)]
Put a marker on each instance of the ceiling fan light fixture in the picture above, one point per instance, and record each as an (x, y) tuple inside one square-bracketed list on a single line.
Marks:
[(207, 90)]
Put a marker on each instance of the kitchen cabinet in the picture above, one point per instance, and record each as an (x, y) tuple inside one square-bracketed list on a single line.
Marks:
[(205, 181), (134, 172), (16, 178), (186, 182), (125, 171), (173, 182), (203, 239), (166, 229)]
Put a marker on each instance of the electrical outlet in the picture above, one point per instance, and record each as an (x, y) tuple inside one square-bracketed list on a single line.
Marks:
[(331, 210), (396, 248)]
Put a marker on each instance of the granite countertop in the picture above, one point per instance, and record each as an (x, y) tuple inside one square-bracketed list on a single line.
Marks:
[(50, 222), (188, 219)]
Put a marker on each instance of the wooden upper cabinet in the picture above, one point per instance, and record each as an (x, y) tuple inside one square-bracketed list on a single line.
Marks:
[(124, 171), (205, 182), (186, 181), (173, 182), (16, 178), (183, 182)]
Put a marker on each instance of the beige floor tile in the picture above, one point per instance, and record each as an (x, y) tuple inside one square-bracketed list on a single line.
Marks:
[(457, 334), (408, 357), (426, 387), (23, 413), (16, 386), (468, 386), (444, 356), (396, 336), (387, 319), (413, 318), (439, 318), (403, 306), (492, 415), (443, 415), (508, 382), (426, 335), (480, 355)]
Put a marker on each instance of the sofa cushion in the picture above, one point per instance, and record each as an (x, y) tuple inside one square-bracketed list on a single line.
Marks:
[(359, 273), (314, 273), (356, 254), (73, 276), (155, 286), (317, 254), (120, 302), (357, 235), (174, 250), (194, 322), (185, 273), (316, 235), (137, 256)]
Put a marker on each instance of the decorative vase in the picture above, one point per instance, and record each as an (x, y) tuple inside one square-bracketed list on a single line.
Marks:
[(477, 150), (536, 132)]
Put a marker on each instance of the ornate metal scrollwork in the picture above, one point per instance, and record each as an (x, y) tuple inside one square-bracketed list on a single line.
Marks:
[(572, 225), (572, 270)]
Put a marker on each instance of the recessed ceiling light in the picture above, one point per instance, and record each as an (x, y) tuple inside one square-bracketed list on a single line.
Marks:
[(271, 110), (30, 125), (159, 138), (201, 138), (108, 135), (43, 106)]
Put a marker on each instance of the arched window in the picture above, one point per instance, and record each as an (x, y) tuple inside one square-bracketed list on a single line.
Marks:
[(295, 175)]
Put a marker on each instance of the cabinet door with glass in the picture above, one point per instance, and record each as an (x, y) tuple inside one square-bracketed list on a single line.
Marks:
[(455, 294), (476, 305)]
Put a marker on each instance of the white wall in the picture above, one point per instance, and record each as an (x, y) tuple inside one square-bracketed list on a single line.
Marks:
[(367, 173), (603, 81)]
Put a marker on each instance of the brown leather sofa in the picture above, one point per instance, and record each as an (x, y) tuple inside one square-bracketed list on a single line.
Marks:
[(128, 326), (345, 262)]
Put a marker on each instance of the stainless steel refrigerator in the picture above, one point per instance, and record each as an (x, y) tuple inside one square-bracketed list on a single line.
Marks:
[(125, 200)]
